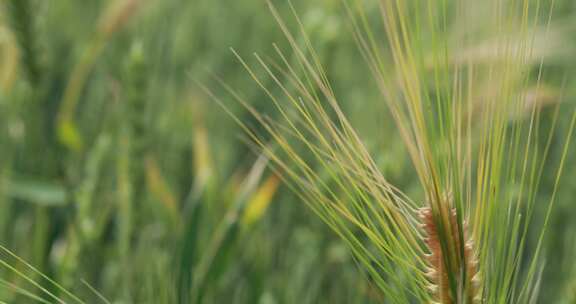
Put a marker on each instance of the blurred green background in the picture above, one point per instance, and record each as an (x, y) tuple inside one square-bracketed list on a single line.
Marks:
[(119, 174)]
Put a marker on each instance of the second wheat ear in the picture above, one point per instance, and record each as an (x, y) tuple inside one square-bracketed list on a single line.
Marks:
[(437, 271)]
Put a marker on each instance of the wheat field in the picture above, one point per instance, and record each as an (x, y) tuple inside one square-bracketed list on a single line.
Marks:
[(274, 151)]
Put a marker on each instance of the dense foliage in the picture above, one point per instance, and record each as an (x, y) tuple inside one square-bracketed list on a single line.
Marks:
[(122, 179)]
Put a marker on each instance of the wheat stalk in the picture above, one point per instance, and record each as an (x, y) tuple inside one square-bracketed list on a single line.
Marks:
[(478, 155)]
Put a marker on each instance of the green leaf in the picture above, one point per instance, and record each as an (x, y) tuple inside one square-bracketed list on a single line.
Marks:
[(39, 192)]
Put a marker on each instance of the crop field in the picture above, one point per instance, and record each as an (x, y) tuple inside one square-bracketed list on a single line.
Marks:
[(298, 152)]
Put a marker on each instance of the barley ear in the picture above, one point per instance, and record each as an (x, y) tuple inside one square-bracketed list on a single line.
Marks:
[(437, 273)]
